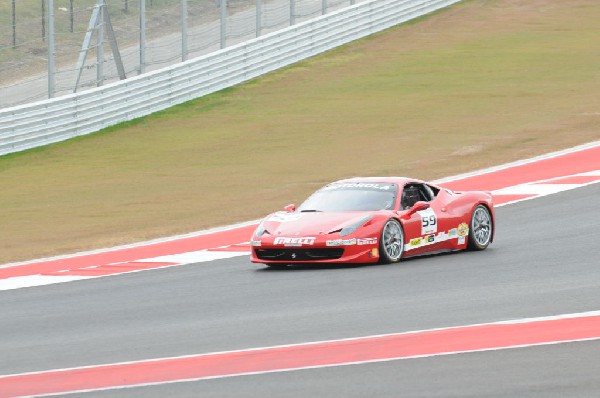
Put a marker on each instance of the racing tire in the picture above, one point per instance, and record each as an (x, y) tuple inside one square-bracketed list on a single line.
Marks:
[(480, 229), (391, 244)]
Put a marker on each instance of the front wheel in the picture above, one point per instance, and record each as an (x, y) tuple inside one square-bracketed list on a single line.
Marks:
[(391, 244), (480, 232)]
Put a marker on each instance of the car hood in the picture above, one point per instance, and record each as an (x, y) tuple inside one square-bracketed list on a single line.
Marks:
[(313, 224)]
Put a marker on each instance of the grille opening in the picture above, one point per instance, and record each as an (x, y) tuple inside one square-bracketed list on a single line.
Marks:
[(299, 254)]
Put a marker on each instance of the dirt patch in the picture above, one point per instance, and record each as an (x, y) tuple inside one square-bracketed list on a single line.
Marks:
[(480, 84)]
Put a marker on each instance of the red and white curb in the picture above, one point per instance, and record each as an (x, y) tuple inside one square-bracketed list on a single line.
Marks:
[(510, 183), (546, 187), (512, 334), (96, 271)]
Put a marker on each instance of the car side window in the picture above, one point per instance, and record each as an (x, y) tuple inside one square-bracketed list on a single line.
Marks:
[(410, 195), (415, 192), (433, 191), (424, 193)]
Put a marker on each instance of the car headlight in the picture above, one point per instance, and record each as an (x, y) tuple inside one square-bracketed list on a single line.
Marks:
[(351, 228), (260, 230)]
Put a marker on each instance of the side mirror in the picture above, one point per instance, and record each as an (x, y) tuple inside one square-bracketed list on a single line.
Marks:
[(290, 208), (419, 206)]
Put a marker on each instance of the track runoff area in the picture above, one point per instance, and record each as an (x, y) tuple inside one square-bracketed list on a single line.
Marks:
[(511, 183)]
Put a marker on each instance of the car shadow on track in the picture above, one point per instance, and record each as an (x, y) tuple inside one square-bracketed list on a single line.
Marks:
[(321, 267)]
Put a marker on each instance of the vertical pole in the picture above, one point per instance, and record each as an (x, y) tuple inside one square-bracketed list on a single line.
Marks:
[(352, 2), (51, 75), (71, 14), (14, 23), (43, 19), (292, 12), (126, 8), (258, 17), (184, 31), (100, 45), (323, 7), (223, 23), (142, 36)]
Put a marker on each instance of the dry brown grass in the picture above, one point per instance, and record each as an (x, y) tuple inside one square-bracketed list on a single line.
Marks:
[(482, 83)]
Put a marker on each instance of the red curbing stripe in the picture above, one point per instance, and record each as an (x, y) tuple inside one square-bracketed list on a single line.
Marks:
[(568, 164), (492, 336), (195, 243), (242, 247), (505, 199), (112, 269)]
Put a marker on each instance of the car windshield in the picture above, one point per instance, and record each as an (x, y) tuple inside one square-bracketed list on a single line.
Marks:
[(355, 196)]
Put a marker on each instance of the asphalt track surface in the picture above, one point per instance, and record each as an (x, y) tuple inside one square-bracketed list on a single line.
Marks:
[(545, 261)]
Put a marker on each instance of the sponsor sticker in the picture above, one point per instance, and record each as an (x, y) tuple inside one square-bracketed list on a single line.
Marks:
[(441, 236), (416, 242), (255, 243), (367, 241), (341, 242), (294, 242)]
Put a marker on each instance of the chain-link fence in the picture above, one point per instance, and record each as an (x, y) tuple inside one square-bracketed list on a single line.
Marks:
[(50, 48)]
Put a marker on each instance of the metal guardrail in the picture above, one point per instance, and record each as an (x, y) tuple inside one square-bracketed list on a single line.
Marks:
[(49, 121)]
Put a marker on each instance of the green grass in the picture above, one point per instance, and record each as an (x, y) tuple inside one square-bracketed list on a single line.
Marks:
[(480, 84)]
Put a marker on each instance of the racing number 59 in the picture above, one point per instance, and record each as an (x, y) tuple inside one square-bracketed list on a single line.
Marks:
[(430, 220)]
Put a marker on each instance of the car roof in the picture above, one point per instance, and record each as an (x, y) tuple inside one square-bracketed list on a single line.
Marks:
[(387, 180)]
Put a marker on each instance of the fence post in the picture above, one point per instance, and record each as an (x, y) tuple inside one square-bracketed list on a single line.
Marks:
[(100, 45), (142, 36), (43, 20), (223, 23), (184, 31), (323, 7), (51, 74), (14, 23), (292, 12), (71, 14), (258, 17)]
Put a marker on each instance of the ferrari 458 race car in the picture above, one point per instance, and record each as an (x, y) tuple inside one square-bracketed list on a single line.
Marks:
[(367, 220)]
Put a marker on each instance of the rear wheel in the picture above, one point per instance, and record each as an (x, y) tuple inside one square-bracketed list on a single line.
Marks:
[(391, 244), (480, 229)]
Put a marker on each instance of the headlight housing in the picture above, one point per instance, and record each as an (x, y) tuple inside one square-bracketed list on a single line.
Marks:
[(260, 230), (351, 228)]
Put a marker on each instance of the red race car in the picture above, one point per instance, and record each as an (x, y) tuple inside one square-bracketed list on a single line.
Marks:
[(367, 220)]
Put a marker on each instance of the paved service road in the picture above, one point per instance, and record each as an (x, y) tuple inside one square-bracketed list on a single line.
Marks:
[(544, 262)]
